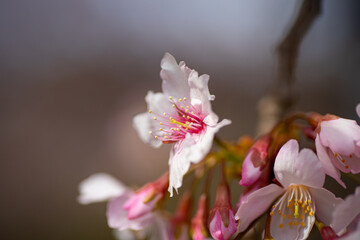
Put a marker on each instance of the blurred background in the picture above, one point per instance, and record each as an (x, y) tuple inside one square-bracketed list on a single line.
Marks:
[(74, 73)]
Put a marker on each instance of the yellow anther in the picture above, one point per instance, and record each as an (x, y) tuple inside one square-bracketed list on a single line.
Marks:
[(180, 99), (173, 105), (273, 206), (311, 213), (281, 225), (301, 217), (283, 216), (289, 200), (183, 116), (155, 118), (308, 208), (184, 98), (296, 223), (182, 107), (165, 136), (290, 216), (187, 117), (186, 110), (290, 223), (160, 129), (192, 112), (335, 154), (170, 97), (309, 201), (150, 132), (156, 137), (164, 114), (302, 224), (150, 111), (160, 123), (187, 107), (271, 213)]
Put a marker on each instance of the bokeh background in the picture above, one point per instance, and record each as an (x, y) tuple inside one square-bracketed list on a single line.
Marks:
[(74, 73)]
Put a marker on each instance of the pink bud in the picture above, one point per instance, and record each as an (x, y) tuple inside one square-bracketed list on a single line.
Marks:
[(222, 222), (198, 223), (220, 229), (255, 161)]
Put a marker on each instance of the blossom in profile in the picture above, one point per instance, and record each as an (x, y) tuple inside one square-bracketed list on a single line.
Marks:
[(180, 115), (299, 200), (338, 146), (103, 187)]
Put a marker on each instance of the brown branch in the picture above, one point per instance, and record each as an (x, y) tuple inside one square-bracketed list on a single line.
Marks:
[(273, 106)]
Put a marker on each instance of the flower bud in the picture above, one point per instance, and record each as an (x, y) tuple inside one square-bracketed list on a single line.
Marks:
[(198, 223), (179, 222), (222, 222), (255, 161), (146, 198)]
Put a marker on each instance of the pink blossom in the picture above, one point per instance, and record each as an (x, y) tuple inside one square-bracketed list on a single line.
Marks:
[(103, 187), (338, 147), (300, 198), (181, 115)]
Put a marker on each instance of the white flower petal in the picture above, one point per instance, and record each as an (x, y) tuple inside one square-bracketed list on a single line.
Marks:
[(325, 203), (174, 77), (346, 211), (143, 125), (99, 187), (292, 167), (159, 103), (326, 162), (117, 216), (190, 150), (256, 204), (200, 96)]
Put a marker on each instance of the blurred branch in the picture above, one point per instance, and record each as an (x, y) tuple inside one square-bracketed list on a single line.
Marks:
[(273, 106)]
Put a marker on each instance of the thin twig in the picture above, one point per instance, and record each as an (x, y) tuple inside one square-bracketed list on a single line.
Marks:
[(277, 103)]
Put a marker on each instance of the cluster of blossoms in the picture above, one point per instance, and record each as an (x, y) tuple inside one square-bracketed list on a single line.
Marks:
[(281, 182)]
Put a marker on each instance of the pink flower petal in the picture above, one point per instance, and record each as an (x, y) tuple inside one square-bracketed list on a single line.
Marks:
[(257, 203), (174, 77), (250, 173), (286, 232), (325, 203), (117, 216), (358, 110), (327, 163), (346, 211), (339, 135), (292, 167)]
